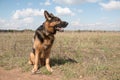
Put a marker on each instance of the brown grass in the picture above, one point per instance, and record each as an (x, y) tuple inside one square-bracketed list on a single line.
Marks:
[(74, 56)]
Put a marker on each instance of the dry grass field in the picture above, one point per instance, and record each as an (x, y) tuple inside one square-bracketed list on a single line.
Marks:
[(74, 56)]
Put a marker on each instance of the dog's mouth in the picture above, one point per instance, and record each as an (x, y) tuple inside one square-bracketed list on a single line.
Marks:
[(60, 27)]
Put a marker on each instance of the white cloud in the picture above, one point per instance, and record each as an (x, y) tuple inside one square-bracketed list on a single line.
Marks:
[(47, 3), (72, 2), (28, 20), (92, 1), (73, 25), (112, 5), (21, 19), (4, 24), (2, 20), (78, 10), (77, 25), (29, 12), (63, 11), (16, 24)]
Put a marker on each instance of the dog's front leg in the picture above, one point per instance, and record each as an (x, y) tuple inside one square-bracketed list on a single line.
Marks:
[(35, 67), (48, 64), (47, 61)]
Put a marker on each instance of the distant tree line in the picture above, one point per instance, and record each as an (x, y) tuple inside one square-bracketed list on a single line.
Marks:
[(25, 30), (29, 30)]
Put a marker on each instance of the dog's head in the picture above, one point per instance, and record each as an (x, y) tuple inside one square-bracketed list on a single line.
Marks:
[(53, 23)]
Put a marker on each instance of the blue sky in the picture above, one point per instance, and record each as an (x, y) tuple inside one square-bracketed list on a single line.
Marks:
[(81, 14)]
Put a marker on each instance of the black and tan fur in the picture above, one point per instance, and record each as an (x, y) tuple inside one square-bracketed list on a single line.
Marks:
[(43, 41)]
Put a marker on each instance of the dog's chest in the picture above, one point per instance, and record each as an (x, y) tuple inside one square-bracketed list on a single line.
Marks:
[(48, 41)]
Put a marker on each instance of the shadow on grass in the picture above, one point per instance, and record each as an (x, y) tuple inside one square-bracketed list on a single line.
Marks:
[(61, 61)]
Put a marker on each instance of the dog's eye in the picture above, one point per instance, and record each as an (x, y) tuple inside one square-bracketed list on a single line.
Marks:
[(57, 19)]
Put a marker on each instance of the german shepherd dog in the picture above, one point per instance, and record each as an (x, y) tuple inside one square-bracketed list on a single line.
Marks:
[(43, 41)]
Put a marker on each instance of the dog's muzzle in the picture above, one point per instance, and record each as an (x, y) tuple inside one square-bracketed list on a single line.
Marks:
[(62, 25)]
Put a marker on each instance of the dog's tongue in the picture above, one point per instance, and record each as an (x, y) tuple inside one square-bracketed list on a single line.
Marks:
[(60, 29)]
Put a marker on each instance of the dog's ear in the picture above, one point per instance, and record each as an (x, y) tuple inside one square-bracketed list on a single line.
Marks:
[(47, 15), (52, 15)]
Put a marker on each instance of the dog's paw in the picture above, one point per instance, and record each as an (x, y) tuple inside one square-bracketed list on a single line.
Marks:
[(33, 71), (50, 70)]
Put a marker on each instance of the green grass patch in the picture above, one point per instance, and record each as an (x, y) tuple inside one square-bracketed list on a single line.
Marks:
[(74, 56)]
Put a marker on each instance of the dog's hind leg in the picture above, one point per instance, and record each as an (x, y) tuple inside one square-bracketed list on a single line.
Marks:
[(32, 59)]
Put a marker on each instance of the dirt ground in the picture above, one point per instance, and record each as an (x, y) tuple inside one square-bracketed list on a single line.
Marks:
[(17, 74)]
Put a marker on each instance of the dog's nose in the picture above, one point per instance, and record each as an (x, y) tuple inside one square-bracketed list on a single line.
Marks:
[(66, 23)]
